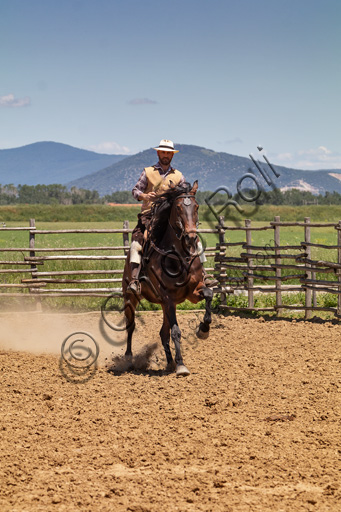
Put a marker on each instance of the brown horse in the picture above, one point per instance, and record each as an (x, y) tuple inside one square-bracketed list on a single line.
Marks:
[(171, 270)]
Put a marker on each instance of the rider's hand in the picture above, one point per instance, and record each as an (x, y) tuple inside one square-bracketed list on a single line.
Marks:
[(149, 197)]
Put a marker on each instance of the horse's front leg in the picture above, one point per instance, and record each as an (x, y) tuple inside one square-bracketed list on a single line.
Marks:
[(181, 370), (204, 327), (165, 337)]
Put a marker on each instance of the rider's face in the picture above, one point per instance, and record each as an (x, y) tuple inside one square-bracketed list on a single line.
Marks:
[(165, 157)]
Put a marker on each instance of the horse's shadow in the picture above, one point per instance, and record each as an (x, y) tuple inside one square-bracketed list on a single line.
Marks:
[(136, 371)]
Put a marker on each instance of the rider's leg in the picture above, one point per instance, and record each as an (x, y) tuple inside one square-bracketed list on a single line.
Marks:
[(209, 283), (135, 265), (135, 254), (138, 242)]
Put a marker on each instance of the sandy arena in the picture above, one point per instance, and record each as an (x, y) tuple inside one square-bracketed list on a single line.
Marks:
[(255, 427)]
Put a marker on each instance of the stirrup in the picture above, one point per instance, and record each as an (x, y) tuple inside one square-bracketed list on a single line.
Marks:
[(134, 286), (210, 283)]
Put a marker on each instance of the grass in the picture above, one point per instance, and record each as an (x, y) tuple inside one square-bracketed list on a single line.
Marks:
[(63, 213), (105, 213)]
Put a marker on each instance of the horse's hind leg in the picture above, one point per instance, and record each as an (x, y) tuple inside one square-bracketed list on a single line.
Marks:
[(204, 327), (130, 303)]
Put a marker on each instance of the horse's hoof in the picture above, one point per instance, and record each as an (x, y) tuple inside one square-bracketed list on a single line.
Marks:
[(170, 368), (202, 335), (182, 371)]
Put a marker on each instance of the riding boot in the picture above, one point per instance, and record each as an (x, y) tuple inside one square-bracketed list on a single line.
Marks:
[(209, 283), (134, 285)]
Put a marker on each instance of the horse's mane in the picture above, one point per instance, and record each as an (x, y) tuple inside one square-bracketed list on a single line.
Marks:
[(161, 210)]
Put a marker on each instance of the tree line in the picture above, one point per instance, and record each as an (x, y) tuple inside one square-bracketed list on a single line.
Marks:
[(47, 194), (59, 194), (292, 197)]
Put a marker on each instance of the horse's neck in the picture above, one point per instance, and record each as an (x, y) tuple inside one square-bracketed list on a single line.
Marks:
[(170, 239)]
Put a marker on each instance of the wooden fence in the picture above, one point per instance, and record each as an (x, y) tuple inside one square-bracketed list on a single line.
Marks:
[(249, 272), (41, 281), (257, 265)]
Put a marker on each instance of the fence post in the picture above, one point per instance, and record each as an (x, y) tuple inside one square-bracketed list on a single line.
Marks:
[(278, 270), (249, 263), (32, 255), (339, 270), (126, 237), (222, 250), (308, 312)]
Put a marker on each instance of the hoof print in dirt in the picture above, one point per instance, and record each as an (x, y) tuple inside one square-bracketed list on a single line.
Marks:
[(281, 417)]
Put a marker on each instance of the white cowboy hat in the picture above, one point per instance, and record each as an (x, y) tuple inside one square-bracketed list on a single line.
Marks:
[(166, 145)]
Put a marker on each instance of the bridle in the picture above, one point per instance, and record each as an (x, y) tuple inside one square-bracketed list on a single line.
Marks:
[(183, 232)]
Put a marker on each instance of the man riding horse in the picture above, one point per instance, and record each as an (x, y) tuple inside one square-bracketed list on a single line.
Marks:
[(152, 183)]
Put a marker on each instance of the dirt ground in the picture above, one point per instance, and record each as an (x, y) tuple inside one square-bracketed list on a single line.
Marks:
[(255, 427)]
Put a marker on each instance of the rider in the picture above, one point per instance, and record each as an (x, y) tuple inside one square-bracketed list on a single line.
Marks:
[(152, 182)]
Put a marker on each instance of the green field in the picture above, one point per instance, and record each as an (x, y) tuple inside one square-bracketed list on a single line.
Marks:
[(105, 213)]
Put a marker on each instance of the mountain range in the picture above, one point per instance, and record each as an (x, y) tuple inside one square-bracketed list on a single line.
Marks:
[(212, 170), (51, 162)]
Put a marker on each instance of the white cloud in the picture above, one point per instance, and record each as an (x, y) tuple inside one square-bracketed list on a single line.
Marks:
[(309, 159), (284, 157), (320, 151), (142, 101), (11, 101), (110, 148), (236, 140)]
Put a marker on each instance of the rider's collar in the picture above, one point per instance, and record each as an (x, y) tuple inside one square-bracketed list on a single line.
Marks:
[(158, 167)]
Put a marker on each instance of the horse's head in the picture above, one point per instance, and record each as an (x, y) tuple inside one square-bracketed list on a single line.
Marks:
[(184, 216)]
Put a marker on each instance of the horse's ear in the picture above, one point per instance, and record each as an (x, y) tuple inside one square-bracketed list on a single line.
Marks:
[(171, 184), (194, 188)]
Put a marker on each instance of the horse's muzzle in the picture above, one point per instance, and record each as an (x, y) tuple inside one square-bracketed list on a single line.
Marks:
[(191, 241)]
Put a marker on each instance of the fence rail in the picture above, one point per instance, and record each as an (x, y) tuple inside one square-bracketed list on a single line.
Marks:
[(248, 275), (269, 269), (40, 283)]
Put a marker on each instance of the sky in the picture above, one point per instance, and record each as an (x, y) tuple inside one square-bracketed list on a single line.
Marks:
[(116, 76)]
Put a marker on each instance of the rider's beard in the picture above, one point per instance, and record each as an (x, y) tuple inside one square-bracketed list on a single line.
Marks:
[(166, 160)]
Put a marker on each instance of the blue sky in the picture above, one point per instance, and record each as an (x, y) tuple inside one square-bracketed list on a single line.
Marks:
[(117, 76)]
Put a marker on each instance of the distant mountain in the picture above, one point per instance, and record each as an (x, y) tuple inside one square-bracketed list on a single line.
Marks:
[(50, 162), (212, 169)]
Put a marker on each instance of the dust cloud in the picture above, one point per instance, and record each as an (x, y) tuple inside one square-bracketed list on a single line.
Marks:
[(44, 332), (139, 362)]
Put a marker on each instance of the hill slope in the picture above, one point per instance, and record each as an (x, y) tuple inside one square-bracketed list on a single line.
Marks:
[(50, 162), (212, 169)]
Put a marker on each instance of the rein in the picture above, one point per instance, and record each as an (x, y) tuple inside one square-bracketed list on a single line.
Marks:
[(170, 253)]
